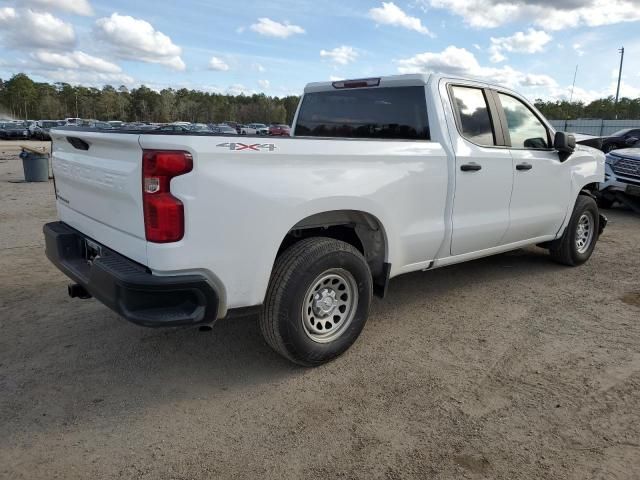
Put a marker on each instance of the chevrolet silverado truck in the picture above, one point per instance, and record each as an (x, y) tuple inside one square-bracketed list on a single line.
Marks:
[(382, 176)]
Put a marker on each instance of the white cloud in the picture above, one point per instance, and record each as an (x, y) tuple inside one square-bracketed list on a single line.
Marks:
[(85, 78), (342, 55), (76, 60), (218, 64), (334, 78), (589, 95), (27, 29), (79, 7), (271, 28), (461, 62), (533, 41), (552, 15), (578, 49), (259, 68), (264, 84), (136, 39), (391, 14), (8, 14)]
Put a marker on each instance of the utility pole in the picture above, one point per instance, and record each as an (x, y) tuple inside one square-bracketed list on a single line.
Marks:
[(574, 84), (621, 50)]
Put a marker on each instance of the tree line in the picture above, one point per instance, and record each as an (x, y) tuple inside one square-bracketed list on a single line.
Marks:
[(603, 108), (22, 98)]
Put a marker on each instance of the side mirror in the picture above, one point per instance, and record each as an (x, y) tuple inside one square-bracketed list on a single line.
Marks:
[(631, 141), (565, 144)]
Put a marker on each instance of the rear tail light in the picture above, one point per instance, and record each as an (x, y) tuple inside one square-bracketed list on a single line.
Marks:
[(163, 213)]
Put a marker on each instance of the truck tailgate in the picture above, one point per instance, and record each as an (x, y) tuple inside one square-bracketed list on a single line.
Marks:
[(99, 188)]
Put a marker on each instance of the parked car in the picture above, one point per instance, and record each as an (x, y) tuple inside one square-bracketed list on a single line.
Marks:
[(200, 127), (303, 232), (73, 121), (116, 123), (255, 129), (280, 130), (621, 179), (41, 131), (14, 131), (140, 126), (625, 138), (174, 128), (99, 125), (239, 128), (224, 130)]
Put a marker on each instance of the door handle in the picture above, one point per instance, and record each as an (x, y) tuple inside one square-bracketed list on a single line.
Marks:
[(470, 167), (524, 166)]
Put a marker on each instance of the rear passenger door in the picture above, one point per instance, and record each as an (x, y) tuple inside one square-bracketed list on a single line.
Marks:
[(542, 183), (483, 171)]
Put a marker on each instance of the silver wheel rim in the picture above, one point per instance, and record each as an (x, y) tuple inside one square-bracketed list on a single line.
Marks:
[(584, 232), (329, 305)]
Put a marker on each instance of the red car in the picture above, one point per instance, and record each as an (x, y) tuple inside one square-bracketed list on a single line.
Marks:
[(280, 130)]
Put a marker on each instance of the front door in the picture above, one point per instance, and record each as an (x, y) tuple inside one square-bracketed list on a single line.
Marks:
[(542, 184)]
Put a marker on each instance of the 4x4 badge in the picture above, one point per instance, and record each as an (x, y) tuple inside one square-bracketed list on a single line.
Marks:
[(256, 147)]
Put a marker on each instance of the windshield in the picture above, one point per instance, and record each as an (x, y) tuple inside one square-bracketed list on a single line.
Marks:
[(621, 133)]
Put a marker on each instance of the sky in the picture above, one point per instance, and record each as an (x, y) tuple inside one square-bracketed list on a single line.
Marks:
[(278, 46)]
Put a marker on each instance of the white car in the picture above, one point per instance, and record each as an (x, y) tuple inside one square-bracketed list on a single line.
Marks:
[(382, 177), (255, 129)]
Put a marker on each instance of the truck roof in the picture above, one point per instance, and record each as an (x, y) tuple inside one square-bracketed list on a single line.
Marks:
[(410, 80), (407, 80)]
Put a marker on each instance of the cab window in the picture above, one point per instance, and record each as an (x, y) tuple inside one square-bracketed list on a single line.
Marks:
[(525, 128), (470, 105)]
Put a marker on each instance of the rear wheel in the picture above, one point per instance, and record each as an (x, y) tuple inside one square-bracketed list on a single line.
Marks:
[(579, 238), (317, 302)]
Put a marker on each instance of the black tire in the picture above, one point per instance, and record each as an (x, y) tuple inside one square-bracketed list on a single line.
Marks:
[(298, 268), (565, 250)]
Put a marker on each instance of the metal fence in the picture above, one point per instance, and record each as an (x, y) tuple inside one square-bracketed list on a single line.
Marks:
[(594, 127)]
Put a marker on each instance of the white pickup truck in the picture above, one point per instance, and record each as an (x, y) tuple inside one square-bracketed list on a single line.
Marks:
[(381, 177)]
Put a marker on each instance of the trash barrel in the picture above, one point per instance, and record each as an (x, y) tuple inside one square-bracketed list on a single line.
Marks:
[(35, 165)]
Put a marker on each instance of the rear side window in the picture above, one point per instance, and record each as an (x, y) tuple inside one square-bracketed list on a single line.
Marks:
[(473, 114), (386, 113)]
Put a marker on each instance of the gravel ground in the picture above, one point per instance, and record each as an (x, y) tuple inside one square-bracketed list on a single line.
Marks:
[(509, 367)]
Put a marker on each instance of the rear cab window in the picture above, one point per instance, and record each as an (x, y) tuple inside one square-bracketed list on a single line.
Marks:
[(398, 113), (473, 117)]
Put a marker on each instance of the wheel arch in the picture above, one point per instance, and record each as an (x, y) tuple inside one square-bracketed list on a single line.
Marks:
[(361, 229)]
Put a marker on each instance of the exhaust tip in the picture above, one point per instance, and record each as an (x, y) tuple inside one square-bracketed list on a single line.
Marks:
[(78, 291)]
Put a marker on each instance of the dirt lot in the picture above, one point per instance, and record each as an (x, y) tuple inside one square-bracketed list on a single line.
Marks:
[(508, 367)]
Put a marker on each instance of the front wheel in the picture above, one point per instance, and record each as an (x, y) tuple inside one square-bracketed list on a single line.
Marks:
[(317, 302), (579, 238)]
